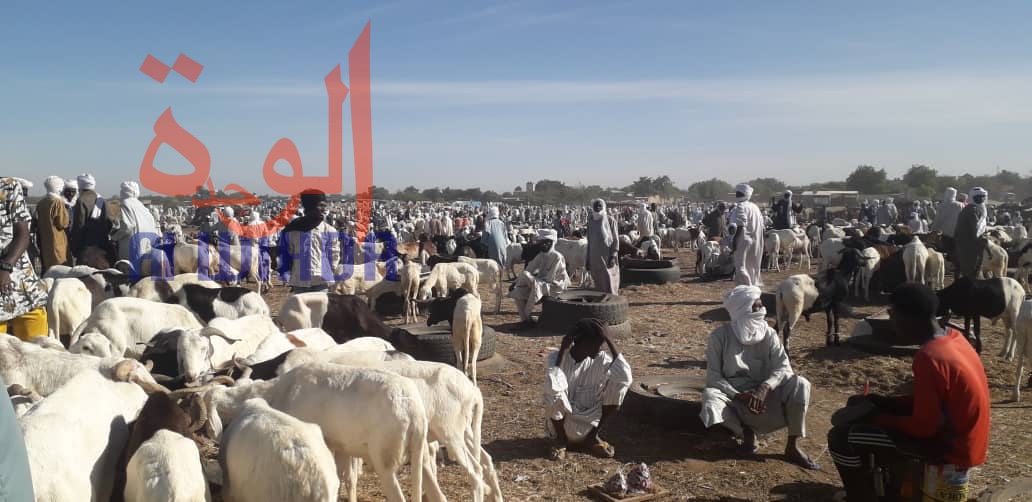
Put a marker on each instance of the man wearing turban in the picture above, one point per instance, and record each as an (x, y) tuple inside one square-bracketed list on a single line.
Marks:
[(90, 225), (750, 386), (747, 245), (134, 223), (969, 234), (545, 275), (603, 249), (51, 223)]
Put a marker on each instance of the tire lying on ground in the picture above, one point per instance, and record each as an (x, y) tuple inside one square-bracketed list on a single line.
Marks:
[(672, 401), (631, 275), (641, 263), (434, 343), (560, 312)]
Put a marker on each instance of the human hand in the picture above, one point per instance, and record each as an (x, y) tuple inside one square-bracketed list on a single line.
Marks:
[(6, 286)]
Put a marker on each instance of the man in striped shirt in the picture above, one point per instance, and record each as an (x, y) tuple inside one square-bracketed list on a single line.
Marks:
[(945, 422)]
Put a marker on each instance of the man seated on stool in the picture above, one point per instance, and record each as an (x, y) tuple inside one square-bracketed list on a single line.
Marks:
[(946, 420), (583, 387), (750, 386)]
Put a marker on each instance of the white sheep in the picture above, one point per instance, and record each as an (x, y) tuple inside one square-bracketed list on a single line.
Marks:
[(575, 253), (303, 310), (831, 253), (166, 467), (408, 276), (490, 276), (369, 347), (1023, 335), (771, 246), (793, 295), (278, 343), (867, 267), (709, 254), (915, 258), (227, 303), (46, 370), (935, 270), (266, 454), (69, 303), (994, 261), (447, 277), (202, 350), (159, 290), (364, 414), (467, 334), (75, 436), (130, 322)]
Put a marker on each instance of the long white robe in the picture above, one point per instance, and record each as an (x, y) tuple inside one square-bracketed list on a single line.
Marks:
[(749, 251), (576, 392), (545, 275), (135, 219), (732, 368)]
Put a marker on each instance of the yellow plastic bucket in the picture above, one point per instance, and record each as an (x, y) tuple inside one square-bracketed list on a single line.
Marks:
[(945, 483)]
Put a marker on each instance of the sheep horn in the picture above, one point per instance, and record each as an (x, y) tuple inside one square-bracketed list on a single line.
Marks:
[(149, 364), (186, 391), (202, 416), (149, 387), (210, 332), (224, 380), (17, 389), (123, 369)]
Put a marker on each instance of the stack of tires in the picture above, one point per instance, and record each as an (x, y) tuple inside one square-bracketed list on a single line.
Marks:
[(434, 343), (640, 271), (560, 312)]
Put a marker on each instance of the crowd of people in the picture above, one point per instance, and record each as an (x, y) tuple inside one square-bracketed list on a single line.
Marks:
[(750, 385)]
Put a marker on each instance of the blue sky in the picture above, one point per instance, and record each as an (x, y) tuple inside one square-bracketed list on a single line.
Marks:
[(495, 94)]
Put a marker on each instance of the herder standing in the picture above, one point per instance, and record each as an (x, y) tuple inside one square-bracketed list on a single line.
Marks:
[(970, 228), (495, 236), (946, 219), (51, 223), (603, 249), (748, 242)]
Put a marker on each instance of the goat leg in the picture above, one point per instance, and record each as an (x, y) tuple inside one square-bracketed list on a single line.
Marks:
[(827, 335), (834, 312), (978, 334)]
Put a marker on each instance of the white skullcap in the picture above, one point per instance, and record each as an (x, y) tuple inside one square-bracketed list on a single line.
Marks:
[(54, 184), (129, 189), (547, 233), (86, 181)]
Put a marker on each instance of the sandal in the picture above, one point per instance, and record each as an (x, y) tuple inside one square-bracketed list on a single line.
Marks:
[(557, 453), (601, 449), (804, 462)]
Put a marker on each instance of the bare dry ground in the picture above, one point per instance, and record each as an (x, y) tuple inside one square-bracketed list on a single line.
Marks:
[(671, 323)]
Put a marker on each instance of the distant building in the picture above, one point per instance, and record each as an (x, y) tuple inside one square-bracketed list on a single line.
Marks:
[(517, 190), (530, 186)]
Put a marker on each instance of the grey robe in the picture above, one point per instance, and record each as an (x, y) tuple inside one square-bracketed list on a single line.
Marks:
[(969, 245), (496, 239)]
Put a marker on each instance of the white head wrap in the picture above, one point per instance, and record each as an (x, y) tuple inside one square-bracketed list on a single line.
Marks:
[(129, 190), (549, 234), (254, 218), (978, 191), (597, 215), (54, 185), (228, 211), (492, 212), (70, 183), (86, 181), (746, 189), (749, 327)]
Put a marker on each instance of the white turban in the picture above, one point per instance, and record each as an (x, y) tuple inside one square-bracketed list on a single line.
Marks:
[(70, 184), (749, 327), (597, 215), (129, 190), (492, 212), (549, 234), (54, 185), (228, 211), (978, 191), (788, 193), (255, 218), (86, 181), (746, 189)]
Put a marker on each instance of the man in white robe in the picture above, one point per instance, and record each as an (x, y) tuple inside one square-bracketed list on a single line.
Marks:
[(134, 219), (545, 275), (583, 387), (748, 241), (750, 386)]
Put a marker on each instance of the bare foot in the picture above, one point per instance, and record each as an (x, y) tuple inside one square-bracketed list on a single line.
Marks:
[(796, 456)]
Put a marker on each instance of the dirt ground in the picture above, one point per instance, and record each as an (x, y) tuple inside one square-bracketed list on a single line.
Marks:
[(671, 324)]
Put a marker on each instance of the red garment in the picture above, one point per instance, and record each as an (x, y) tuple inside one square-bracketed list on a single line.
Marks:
[(951, 400)]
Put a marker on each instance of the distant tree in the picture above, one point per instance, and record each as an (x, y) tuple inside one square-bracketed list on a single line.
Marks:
[(710, 189), (867, 179), (491, 196), (765, 188), (921, 179), (433, 194)]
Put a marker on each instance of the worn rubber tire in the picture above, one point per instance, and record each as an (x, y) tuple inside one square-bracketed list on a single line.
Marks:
[(560, 312), (664, 411), (433, 343), (390, 304), (629, 276), (643, 264)]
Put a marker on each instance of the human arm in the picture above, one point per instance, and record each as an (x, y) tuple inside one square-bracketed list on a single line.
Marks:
[(781, 368), (59, 215), (923, 420), (614, 248)]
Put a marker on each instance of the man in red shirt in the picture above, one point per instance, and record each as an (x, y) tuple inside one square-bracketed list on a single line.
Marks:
[(945, 422)]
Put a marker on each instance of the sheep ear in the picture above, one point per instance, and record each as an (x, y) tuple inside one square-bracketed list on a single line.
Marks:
[(295, 341)]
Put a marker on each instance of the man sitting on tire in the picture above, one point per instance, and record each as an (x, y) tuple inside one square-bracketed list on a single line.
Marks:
[(545, 275), (583, 387), (750, 386)]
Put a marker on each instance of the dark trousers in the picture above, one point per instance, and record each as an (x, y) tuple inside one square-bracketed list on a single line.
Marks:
[(858, 450)]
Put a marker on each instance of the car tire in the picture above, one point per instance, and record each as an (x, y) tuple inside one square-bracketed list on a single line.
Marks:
[(433, 343), (560, 312), (629, 276), (651, 407), (643, 264)]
